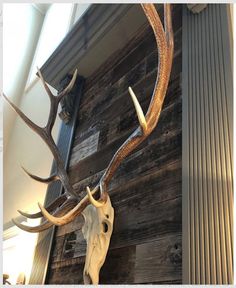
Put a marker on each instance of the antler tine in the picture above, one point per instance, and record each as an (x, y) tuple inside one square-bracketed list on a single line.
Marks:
[(64, 92), (68, 88), (55, 100), (94, 202), (48, 180), (70, 216), (45, 134), (51, 207), (139, 111), (67, 206), (44, 226), (51, 96), (37, 129)]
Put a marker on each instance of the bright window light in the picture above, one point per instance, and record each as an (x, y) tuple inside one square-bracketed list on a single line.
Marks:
[(55, 27), (18, 253), (17, 22)]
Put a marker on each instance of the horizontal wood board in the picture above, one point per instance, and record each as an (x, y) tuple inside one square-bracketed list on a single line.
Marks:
[(145, 192)]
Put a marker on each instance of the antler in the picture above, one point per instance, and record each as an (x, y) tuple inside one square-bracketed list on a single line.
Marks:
[(45, 134), (70, 206), (165, 46)]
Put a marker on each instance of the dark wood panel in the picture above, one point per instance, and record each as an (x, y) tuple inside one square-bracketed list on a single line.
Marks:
[(146, 190), (119, 265), (169, 119), (138, 206), (159, 261), (70, 274), (138, 225), (115, 101), (154, 262), (120, 117)]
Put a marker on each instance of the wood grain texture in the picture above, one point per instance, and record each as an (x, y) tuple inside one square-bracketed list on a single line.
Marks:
[(85, 148), (119, 266), (159, 261), (146, 190)]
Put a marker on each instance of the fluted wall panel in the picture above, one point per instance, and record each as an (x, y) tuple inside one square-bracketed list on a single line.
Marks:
[(207, 147)]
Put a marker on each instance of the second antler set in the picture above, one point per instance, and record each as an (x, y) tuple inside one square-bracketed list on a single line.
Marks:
[(99, 215)]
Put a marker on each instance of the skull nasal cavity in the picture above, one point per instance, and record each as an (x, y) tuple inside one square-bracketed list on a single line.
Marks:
[(104, 227)]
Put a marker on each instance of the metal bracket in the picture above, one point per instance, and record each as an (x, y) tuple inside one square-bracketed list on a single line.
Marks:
[(67, 102)]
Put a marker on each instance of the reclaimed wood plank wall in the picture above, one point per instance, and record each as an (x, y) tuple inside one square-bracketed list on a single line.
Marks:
[(146, 190)]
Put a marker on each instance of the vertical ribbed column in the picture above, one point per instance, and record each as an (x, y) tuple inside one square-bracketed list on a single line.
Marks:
[(207, 147)]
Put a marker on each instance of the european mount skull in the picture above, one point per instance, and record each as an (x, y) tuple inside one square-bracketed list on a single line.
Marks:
[(99, 214), (97, 231)]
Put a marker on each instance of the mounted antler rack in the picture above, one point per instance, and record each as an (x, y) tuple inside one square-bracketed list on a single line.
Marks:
[(96, 205)]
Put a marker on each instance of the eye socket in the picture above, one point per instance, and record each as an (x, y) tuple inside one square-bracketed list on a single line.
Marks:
[(104, 227)]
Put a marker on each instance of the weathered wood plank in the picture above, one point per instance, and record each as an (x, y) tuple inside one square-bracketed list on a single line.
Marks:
[(107, 107), (154, 262), (124, 105), (84, 149), (119, 266), (159, 261), (58, 249), (133, 198), (137, 224), (131, 53), (146, 189), (74, 245), (107, 93), (99, 160), (72, 274)]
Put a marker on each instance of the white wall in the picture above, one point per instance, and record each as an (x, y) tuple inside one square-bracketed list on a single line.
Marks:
[(22, 24), (26, 148)]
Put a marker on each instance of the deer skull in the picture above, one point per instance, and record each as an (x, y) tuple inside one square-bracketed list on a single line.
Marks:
[(97, 231)]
